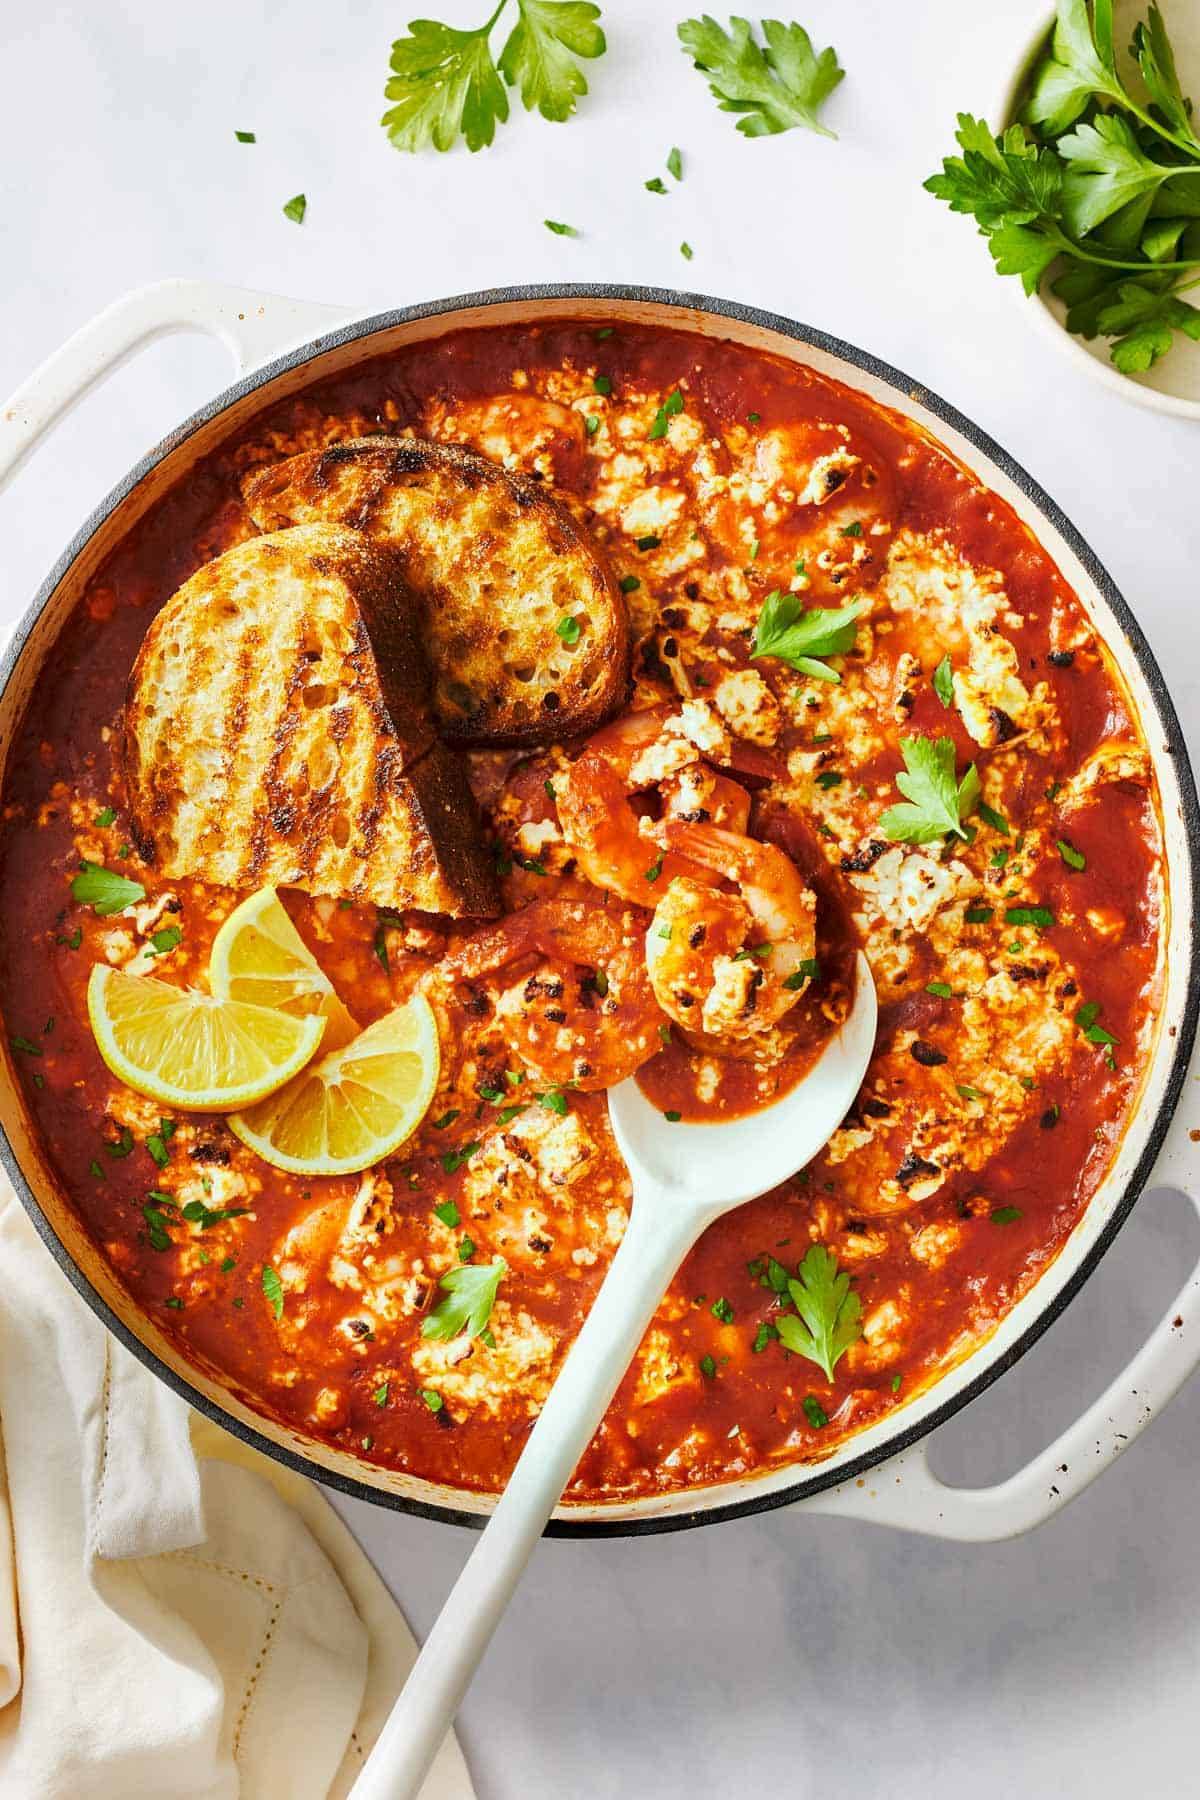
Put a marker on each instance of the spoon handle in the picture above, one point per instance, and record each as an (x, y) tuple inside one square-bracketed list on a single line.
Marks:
[(659, 1234)]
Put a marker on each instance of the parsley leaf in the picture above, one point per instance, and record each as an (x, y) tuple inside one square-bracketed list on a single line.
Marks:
[(469, 1295), (561, 229), (272, 1287), (672, 405), (295, 208), (105, 891), (829, 1312), (774, 88), (445, 85), (539, 57), (943, 682), (938, 803), (799, 636)]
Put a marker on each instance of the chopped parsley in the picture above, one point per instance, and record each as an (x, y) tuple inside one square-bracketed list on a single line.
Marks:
[(569, 629), (655, 870), (25, 1045), (1041, 916), (686, 251), (708, 1368), (808, 970), (554, 1100), (104, 817), (941, 989), (446, 1119), (448, 1213), (672, 1117), (721, 1309), (656, 185), (1086, 1019), (978, 915), (560, 228), (970, 1093), (854, 529), (380, 1396), (1005, 1215), (1074, 859), (272, 1287), (671, 406), (766, 1334), (630, 584), (675, 162), (295, 208), (196, 1213), (650, 541), (602, 384), (991, 817), (432, 1399), (453, 1160), (591, 423), (122, 1145), (466, 1249), (245, 137), (72, 940), (943, 682), (169, 938), (829, 778), (814, 1412)]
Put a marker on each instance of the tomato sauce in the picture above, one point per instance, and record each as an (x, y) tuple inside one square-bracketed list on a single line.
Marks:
[(989, 1114)]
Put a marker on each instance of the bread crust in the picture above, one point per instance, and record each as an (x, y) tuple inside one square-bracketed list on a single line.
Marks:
[(496, 564), (278, 728)]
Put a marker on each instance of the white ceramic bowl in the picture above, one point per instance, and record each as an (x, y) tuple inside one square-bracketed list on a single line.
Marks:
[(1173, 384)]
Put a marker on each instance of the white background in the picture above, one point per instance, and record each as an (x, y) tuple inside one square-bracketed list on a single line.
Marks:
[(782, 1654)]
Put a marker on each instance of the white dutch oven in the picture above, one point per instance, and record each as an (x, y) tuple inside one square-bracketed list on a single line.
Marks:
[(883, 1474)]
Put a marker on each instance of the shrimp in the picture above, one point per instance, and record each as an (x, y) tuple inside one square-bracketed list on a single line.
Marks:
[(578, 1007), (613, 844), (730, 965)]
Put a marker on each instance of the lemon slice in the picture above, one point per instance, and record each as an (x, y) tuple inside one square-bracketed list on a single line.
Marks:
[(258, 956), (354, 1107), (192, 1051)]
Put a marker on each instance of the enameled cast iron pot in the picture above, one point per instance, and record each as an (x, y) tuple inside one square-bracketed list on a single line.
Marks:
[(883, 1474)]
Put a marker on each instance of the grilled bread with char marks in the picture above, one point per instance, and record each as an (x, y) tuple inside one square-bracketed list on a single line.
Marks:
[(497, 564), (278, 729)]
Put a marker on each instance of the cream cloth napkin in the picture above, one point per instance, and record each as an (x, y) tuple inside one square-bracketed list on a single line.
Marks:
[(178, 1616)]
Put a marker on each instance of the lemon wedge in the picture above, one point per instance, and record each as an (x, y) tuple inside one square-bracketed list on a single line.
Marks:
[(190, 1051), (354, 1107), (258, 956)]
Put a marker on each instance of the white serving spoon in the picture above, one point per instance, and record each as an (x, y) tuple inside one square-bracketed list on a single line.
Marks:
[(684, 1177)]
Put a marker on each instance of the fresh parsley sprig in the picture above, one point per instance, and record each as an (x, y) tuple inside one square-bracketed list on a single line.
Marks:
[(446, 84), (775, 85), (801, 636), (938, 802), (828, 1316), (1098, 186)]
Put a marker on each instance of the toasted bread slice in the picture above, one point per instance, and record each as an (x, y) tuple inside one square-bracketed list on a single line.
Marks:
[(278, 729), (497, 565)]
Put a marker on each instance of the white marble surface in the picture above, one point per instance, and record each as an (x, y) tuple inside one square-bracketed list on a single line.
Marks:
[(783, 1653)]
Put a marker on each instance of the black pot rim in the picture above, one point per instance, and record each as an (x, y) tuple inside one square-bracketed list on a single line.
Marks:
[(814, 1480)]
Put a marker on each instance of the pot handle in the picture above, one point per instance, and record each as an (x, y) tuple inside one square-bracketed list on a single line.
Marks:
[(906, 1494), (253, 326)]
